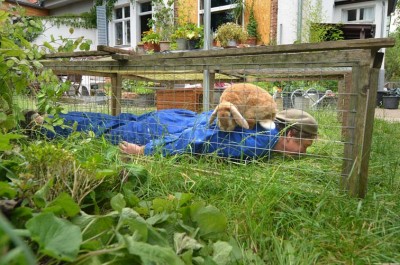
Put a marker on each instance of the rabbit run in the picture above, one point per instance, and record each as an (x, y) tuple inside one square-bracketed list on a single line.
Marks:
[(244, 105)]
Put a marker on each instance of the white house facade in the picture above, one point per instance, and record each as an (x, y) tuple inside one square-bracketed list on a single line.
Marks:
[(292, 14)]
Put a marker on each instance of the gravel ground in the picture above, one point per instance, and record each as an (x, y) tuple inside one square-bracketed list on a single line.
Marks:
[(388, 114)]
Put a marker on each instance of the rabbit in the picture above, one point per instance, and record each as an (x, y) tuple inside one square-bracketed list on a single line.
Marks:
[(244, 104)]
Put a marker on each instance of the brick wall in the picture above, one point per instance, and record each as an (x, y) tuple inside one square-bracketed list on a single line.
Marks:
[(273, 21)]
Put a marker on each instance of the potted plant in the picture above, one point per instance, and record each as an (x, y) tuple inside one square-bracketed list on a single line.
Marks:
[(230, 34), (194, 35), (391, 99), (252, 28), (179, 36), (151, 40), (163, 22)]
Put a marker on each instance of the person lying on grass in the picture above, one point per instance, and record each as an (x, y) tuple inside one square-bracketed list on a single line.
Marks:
[(178, 131)]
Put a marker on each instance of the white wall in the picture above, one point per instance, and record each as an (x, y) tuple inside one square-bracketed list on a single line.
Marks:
[(88, 34), (64, 31), (380, 15), (288, 17)]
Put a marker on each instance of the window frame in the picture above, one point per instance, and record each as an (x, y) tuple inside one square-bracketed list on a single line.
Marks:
[(126, 26), (218, 9), (345, 14)]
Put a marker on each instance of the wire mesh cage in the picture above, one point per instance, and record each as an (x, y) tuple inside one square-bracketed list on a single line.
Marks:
[(335, 83)]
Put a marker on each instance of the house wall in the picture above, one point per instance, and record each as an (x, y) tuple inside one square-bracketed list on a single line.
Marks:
[(64, 31), (380, 15), (30, 10), (263, 12), (289, 22), (76, 8), (188, 10)]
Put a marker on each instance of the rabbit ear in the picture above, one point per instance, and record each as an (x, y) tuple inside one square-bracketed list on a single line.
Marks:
[(238, 117), (213, 115)]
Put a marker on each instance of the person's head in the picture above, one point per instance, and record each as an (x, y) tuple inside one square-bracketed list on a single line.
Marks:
[(297, 129)]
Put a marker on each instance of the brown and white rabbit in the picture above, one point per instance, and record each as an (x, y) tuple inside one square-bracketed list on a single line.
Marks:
[(244, 104)]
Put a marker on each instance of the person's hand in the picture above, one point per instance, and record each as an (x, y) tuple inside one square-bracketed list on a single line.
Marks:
[(131, 149)]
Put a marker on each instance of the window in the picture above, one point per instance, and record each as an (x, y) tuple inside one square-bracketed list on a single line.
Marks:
[(122, 26), (145, 14), (222, 11), (364, 14)]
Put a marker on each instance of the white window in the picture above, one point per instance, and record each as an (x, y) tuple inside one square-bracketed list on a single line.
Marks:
[(222, 11), (145, 14), (122, 25), (356, 15)]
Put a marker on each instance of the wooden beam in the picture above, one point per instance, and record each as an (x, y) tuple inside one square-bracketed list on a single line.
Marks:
[(75, 54), (368, 129), (116, 93), (370, 44), (113, 50)]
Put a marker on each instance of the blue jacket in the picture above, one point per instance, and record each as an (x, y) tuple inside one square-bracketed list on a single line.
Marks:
[(174, 131)]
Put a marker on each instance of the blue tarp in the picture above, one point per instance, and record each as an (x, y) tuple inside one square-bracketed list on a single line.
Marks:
[(173, 131)]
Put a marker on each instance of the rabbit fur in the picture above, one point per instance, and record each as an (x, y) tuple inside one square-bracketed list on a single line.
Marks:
[(244, 104)]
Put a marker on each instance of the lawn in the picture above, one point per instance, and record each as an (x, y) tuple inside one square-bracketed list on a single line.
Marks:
[(270, 211), (287, 214)]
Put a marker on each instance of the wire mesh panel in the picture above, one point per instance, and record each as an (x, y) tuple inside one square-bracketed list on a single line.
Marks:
[(165, 103)]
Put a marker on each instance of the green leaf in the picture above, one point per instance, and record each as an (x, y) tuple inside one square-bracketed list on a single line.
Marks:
[(65, 202), (150, 253), (184, 242), (40, 196), (118, 202), (210, 221), (5, 140), (7, 191), (222, 252), (57, 238), (96, 229)]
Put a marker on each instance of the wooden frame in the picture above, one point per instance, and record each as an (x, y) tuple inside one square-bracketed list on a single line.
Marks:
[(358, 62)]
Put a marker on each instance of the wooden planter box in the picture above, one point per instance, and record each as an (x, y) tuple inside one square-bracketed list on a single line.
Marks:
[(182, 98)]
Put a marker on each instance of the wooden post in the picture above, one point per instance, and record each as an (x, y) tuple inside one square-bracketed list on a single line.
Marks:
[(354, 181), (116, 91), (368, 129)]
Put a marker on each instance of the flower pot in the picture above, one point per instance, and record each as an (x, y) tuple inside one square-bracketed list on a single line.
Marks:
[(252, 41), (140, 49), (193, 44), (232, 44), (181, 44), (379, 97), (148, 46), (391, 102), (165, 45)]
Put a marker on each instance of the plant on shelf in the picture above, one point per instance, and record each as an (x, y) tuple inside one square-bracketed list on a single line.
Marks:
[(229, 34), (151, 40), (252, 27), (194, 35), (163, 19)]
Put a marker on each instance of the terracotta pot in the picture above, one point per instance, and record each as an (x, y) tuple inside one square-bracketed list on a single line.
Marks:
[(165, 45), (251, 41), (148, 46)]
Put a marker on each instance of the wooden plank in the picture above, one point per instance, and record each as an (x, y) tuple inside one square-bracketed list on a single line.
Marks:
[(370, 44), (75, 54), (286, 60), (368, 129), (352, 182), (116, 93), (109, 49)]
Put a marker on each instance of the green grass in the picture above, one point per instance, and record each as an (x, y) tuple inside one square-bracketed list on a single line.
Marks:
[(292, 211)]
